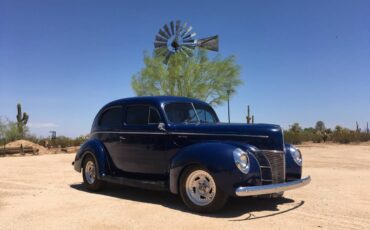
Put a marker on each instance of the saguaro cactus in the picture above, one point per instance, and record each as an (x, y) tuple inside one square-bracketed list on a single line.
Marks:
[(21, 119), (357, 127), (249, 117)]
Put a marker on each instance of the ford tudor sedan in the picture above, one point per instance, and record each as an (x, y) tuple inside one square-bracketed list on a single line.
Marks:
[(178, 144)]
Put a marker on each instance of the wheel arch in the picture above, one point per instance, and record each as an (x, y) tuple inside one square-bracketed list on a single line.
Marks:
[(216, 157), (97, 150)]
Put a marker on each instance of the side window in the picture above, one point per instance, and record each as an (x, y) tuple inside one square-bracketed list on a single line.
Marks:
[(111, 118), (205, 114), (154, 117), (137, 115)]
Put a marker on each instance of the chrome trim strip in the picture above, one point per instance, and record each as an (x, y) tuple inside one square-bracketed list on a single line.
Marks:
[(180, 133), (269, 150), (271, 188), (156, 133), (219, 134)]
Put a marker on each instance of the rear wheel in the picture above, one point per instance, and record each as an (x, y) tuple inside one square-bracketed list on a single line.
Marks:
[(199, 190), (89, 174)]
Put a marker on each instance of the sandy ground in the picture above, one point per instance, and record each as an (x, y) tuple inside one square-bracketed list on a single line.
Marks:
[(44, 192)]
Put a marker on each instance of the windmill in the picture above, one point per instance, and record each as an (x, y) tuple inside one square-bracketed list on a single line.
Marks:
[(179, 38)]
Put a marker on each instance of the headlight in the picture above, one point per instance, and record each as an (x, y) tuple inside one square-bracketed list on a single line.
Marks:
[(241, 160), (296, 155)]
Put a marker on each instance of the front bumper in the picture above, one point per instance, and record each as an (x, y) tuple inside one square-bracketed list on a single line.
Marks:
[(271, 188)]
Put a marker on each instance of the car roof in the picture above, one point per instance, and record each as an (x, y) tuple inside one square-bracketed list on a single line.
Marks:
[(153, 100)]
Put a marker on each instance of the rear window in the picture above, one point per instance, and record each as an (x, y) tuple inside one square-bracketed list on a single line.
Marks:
[(142, 115), (112, 118), (137, 115)]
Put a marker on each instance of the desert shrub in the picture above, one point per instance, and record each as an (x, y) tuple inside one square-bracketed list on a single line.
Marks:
[(63, 141), (343, 136), (317, 137), (292, 137), (80, 140), (297, 135)]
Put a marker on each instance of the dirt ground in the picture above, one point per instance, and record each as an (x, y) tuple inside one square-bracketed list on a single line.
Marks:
[(44, 192)]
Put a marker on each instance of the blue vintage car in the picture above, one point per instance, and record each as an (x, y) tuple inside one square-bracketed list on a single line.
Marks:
[(179, 145)]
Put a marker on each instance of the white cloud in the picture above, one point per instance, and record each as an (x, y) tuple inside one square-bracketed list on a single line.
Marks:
[(42, 125)]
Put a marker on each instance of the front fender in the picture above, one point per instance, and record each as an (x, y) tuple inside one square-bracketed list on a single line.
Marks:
[(218, 159), (95, 148), (293, 171)]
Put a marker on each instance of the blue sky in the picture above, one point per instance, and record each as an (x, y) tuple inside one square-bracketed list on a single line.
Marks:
[(302, 61)]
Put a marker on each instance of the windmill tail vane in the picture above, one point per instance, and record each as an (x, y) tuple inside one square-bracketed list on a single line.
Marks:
[(178, 38)]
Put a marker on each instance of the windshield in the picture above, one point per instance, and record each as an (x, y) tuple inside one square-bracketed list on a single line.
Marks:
[(183, 113)]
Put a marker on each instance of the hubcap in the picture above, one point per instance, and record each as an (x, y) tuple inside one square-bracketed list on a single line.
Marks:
[(90, 172), (200, 188)]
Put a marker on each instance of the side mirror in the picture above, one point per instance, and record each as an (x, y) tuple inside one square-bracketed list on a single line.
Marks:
[(162, 127)]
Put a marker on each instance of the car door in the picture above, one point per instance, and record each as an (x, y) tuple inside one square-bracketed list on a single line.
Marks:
[(110, 124), (143, 147)]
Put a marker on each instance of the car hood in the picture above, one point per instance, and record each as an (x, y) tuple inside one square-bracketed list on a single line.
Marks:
[(264, 136)]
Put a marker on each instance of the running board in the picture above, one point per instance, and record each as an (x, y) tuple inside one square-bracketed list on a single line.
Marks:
[(145, 184)]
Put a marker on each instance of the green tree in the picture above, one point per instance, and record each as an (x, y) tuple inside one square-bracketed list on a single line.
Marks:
[(195, 77), (295, 128), (338, 129), (320, 126)]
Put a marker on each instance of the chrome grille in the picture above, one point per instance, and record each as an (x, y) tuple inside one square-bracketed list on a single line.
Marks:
[(272, 165)]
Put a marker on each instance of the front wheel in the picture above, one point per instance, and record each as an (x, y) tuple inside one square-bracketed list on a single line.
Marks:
[(90, 174), (200, 192)]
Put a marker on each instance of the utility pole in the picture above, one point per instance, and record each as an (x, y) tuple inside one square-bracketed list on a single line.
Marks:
[(228, 104)]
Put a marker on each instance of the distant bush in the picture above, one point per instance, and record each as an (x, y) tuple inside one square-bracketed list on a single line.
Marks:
[(9, 131), (295, 135), (63, 141)]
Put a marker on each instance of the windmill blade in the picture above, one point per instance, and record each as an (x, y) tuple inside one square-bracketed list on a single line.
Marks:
[(160, 39), (172, 28), (187, 51), (189, 36), (182, 52), (160, 44), (189, 41), (167, 57), (209, 43), (186, 31), (189, 45), (160, 51), (163, 34), (165, 27), (183, 28), (178, 22)]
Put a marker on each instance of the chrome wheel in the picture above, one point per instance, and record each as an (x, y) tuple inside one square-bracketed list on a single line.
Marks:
[(200, 188), (90, 172)]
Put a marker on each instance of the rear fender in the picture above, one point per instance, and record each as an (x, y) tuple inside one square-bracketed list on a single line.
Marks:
[(96, 149)]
